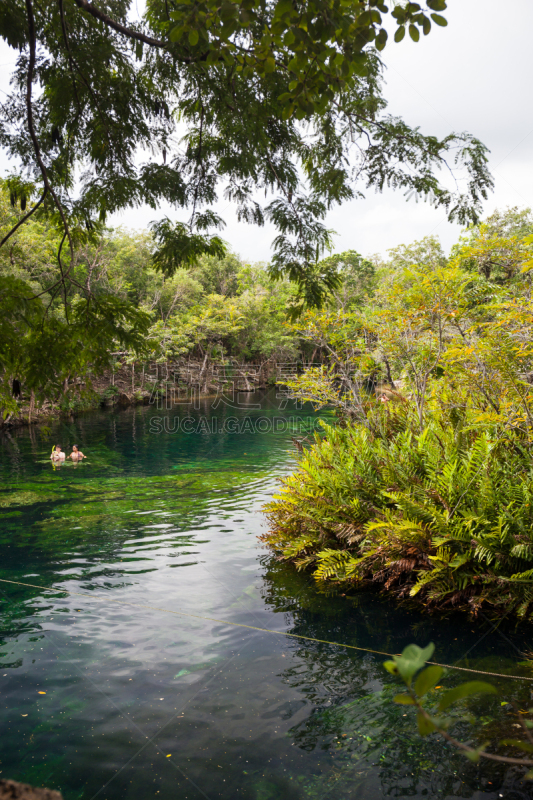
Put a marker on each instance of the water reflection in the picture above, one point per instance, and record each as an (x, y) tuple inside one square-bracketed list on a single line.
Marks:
[(138, 702)]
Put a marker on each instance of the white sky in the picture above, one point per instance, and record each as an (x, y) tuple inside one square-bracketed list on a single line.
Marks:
[(473, 76)]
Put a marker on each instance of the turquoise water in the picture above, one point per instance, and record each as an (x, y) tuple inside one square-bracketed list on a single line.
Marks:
[(103, 700)]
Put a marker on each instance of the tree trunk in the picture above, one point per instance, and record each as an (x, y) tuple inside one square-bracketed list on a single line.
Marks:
[(389, 375), (201, 375)]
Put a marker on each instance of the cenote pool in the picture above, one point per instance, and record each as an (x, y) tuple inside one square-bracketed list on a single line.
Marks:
[(103, 700)]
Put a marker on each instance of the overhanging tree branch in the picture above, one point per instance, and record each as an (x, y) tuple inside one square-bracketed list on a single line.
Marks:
[(90, 8), (25, 217)]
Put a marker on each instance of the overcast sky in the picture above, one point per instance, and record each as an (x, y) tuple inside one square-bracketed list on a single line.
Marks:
[(471, 76)]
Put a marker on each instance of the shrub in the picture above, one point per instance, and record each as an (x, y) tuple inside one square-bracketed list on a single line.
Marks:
[(443, 516), (110, 392)]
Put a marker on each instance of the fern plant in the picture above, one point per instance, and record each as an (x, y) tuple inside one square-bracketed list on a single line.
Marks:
[(443, 516)]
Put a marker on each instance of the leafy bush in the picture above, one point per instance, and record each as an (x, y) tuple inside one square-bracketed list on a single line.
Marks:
[(74, 403), (110, 392), (442, 515)]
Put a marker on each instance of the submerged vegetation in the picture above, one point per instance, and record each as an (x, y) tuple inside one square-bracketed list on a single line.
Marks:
[(425, 487)]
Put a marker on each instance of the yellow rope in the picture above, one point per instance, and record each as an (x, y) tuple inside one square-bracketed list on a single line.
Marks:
[(255, 628)]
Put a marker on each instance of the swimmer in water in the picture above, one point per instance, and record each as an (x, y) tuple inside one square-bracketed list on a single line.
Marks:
[(57, 454), (76, 454)]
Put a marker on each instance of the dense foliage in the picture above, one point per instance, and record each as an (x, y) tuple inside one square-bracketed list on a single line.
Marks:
[(119, 306), (425, 489), (51, 331), (110, 110)]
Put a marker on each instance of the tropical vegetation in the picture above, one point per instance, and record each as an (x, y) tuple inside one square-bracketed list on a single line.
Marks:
[(118, 307), (425, 487), (111, 107)]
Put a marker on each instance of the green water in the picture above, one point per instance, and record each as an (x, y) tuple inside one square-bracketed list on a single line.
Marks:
[(139, 703)]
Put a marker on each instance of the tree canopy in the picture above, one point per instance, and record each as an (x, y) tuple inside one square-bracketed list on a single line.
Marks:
[(201, 97)]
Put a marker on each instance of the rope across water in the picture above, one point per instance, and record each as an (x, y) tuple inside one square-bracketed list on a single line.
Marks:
[(256, 628)]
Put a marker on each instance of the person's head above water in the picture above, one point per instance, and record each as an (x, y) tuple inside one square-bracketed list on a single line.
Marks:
[(76, 454), (58, 448)]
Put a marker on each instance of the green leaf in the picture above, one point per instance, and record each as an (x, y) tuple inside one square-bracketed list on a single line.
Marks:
[(420, 654), (283, 7), (391, 667), (525, 746), (438, 20), (468, 689), (404, 699), (399, 13), (425, 725), (412, 659), (474, 755), (176, 33), (414, 33), (381, 39), (400, 33), (427, 679), (443, 723), (193, 38)]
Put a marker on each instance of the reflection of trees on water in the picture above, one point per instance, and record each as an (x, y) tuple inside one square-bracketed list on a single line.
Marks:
[(374, 621), (370, 740)]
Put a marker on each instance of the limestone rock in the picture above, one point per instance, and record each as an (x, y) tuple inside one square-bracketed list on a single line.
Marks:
[(11, 790)]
